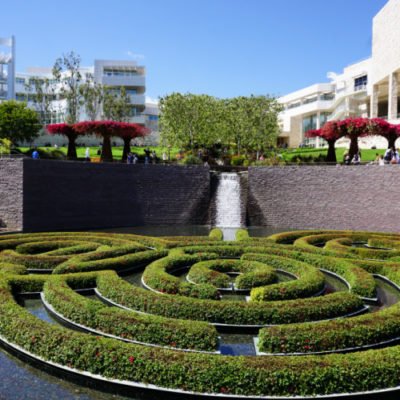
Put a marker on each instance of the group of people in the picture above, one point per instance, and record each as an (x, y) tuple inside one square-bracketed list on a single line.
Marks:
[(391, 156), (356, 160), (132, 158)]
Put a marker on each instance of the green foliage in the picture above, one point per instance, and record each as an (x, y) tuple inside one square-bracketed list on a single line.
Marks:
[(189, 121), (66, 71), (191, 160), (116, 104), (174, 320), (216, 233), (242, 234), (18, 122), (199, 121), (128, 325)]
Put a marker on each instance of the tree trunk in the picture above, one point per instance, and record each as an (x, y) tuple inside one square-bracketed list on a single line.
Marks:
[(106, 152), (127, 148), (71, 153), (331, 156), (353, 146), (391, 141)]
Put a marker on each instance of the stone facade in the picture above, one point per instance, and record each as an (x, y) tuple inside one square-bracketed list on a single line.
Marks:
[(76, 195), (11, 193), (353, 197)]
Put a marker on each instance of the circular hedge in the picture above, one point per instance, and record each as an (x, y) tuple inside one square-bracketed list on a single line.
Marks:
[(164, 333)]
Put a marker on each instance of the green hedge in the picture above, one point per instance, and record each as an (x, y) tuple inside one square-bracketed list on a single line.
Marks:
[(227, 312), (129, 325), (214, 272), (253, 376), (310, 281), (216, 234), (157, 276), (242, 234), (363, 330), (109, 259)]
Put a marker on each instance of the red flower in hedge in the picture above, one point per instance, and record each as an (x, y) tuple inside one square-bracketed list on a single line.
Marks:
[(131, 359)]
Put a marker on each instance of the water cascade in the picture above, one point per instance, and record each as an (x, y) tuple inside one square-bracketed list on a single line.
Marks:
[(228, 205)]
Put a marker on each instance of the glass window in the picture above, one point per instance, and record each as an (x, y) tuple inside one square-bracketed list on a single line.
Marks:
[(361, 83), (327, 96)]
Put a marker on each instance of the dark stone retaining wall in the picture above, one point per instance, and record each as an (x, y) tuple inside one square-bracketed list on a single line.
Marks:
[(61, 195), (11, 193), (352, 197), (40, 195)]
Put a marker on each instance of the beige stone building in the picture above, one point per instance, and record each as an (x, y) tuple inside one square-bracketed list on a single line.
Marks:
[(369, 88)]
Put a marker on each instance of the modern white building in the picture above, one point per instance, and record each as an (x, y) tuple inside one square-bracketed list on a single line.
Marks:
[(368, 88), (7, 68), (113, 74)]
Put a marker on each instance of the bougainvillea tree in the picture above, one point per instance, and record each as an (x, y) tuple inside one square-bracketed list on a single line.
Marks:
[(331, 133), (68, 131), (353, 128), (127, 132), (107, 129), (390, 132)]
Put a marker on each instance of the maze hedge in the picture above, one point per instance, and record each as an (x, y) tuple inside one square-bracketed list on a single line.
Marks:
[(153, 325)]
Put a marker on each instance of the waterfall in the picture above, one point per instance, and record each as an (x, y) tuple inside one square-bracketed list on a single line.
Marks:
[(228, 205)]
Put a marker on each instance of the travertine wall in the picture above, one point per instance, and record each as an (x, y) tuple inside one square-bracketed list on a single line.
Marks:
[(385, 41), (76, 195), (353, 197)]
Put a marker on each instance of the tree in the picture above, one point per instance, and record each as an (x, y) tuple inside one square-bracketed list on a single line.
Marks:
[(127, 132), (18, 122), (41, 94), (383, 128), (116, 104), (251, 122), (66, 72), (331, 134), (92, 94), (107, 129), (68, 131), (353, 128), (189, 121)]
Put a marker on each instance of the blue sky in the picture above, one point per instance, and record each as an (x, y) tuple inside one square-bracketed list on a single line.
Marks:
[(220, 47)]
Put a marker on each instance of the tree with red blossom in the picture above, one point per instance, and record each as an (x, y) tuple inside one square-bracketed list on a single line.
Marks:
[(353, 128), (68, 131), (127, 132), (331, 133), (390, 132), (107, 129)]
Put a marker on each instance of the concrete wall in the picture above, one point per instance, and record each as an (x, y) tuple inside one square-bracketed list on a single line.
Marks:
[(353, 197), (76, 195), (11, 193)]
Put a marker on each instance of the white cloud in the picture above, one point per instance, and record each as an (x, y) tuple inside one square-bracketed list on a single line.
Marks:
[(133, 55)]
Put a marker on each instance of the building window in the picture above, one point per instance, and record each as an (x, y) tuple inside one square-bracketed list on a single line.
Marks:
[(293, 105), (360, 83), (310, 100), (327, 96), (118, 72), (20, 81)]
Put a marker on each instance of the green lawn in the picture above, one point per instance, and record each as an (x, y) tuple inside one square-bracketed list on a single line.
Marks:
[(366, 154)]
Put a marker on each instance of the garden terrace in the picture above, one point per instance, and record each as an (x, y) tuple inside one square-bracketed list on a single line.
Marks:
[(167, 338)]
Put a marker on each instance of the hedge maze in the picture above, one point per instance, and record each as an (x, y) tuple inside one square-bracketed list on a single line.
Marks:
[(164, 333)]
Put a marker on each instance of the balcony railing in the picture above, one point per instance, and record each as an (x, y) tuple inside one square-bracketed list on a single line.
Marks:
[(360, 88)]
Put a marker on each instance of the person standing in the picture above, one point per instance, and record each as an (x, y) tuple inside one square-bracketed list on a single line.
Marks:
[(35, 155), (87, 154)]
